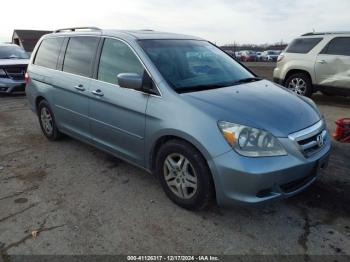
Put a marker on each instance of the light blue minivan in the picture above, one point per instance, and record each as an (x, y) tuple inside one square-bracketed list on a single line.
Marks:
[(181, 108)]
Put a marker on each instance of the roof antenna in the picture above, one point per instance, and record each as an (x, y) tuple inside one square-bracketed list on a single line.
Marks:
[(313, 30)]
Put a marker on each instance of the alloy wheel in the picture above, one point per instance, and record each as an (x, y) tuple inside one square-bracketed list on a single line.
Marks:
[(298, 85), (46, 121)]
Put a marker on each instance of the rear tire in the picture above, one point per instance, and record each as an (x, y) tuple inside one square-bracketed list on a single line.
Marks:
[(184, 175), (47, 121), (300, 83)]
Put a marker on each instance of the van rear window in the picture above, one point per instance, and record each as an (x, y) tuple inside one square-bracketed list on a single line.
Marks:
[(48, 52), (303, 45)]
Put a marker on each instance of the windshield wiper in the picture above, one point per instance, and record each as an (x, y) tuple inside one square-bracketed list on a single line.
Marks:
[(188, 89), (197, 88), (246, 80)]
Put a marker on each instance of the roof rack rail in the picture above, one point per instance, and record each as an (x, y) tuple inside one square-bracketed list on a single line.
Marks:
[(73, 29), (326, 33)]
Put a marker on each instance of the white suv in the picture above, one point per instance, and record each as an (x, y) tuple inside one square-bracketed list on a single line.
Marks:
[(316, 61)]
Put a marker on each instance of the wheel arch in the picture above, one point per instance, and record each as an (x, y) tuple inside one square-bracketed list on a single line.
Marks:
[(37, 102), (297, 71), (164, 138)]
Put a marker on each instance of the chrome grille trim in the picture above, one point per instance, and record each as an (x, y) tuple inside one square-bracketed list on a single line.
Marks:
[(15, 72), (308, 132), (317, 134)]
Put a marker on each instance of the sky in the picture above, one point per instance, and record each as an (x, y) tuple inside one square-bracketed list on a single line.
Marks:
[(220, 21)]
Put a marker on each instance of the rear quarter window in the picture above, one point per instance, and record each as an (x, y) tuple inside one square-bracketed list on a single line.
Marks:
[(338, 46), (48, 52), (303, 45)]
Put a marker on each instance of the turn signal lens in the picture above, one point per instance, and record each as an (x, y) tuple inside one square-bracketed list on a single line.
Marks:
[(229, 136)]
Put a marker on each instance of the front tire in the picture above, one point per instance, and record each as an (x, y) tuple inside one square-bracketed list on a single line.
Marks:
[(300, 83), (184, 175), (47, 121)]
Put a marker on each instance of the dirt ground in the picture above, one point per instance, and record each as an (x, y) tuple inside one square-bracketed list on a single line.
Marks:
[(69, 198)]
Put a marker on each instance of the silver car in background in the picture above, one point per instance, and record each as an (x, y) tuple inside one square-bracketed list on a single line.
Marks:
[(270, 55), (13, 65), (179, 107)]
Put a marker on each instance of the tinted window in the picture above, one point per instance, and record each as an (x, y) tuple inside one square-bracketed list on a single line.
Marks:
[(302, 45), (190, 65), (79, 55), (48, 52), (339, 46), (116, 58)]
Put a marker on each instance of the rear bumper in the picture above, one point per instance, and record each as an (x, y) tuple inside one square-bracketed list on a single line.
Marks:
[(9, 86), (244, 180)]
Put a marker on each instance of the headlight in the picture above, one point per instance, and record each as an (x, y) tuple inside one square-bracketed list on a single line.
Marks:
[(249, 141)]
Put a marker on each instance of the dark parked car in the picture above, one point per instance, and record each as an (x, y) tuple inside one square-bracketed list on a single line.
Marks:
[(13, 66)]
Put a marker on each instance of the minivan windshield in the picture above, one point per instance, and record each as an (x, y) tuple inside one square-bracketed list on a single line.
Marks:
[(12, 52), (194, 65)]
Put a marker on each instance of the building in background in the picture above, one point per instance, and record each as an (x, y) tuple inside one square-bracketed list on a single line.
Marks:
[(27, 38)]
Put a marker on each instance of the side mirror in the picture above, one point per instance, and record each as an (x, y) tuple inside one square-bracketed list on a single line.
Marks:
[(130, 80)]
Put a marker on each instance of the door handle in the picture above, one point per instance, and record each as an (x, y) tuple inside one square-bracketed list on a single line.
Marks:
[(80, 87), (97, 92), (322, 61)]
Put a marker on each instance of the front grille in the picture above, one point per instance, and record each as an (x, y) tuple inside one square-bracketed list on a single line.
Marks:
[(310, 140), (312, 145), (16, 72)]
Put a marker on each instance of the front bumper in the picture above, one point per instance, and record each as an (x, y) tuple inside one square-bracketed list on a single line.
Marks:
[(278, 76), (9, 86), (240, 179)]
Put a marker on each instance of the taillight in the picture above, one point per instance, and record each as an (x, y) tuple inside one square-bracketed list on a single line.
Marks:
[(26, 78), (280, 57)]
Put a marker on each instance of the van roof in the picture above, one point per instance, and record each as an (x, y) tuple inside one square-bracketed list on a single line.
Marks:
[(137, 34), (148, 34)]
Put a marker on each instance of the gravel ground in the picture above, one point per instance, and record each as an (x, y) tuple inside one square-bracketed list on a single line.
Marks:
[(76, 199)]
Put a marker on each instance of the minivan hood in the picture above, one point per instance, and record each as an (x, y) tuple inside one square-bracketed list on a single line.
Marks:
[(260, 104), (6, 62)]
